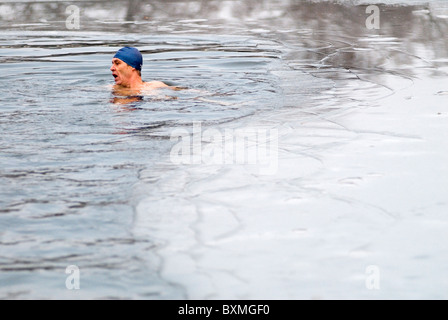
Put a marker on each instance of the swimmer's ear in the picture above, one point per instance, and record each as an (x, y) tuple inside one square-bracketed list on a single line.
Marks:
[(134, 69)]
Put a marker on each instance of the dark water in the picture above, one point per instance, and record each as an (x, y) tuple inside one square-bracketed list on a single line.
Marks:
[(74, 167)]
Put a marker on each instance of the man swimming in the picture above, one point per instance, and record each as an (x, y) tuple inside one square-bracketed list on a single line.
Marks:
[(127, 71), (129, 86)]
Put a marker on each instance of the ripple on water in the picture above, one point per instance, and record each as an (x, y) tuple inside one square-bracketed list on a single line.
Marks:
[(70, 158)]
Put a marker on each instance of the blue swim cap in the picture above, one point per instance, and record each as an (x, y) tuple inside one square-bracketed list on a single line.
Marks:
[(131, 56)]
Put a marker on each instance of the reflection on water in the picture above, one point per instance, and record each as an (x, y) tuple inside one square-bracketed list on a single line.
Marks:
[(322, 36), (77, 158)]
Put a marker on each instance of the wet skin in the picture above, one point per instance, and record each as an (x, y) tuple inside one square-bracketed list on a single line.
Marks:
[(129, 85)]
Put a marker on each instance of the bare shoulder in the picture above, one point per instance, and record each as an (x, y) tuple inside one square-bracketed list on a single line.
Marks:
[(155, 85)]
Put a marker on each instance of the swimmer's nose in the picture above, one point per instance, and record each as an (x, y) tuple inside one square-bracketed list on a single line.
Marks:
[(112, 68)]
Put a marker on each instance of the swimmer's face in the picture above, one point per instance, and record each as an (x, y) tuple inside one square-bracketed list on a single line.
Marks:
[(121, 71)]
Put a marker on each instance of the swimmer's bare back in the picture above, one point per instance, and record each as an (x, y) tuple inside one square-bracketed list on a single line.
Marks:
[(125, 95), (145, 87)]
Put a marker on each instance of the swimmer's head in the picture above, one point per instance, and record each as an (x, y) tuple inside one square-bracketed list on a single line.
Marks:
[(126, 66)]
